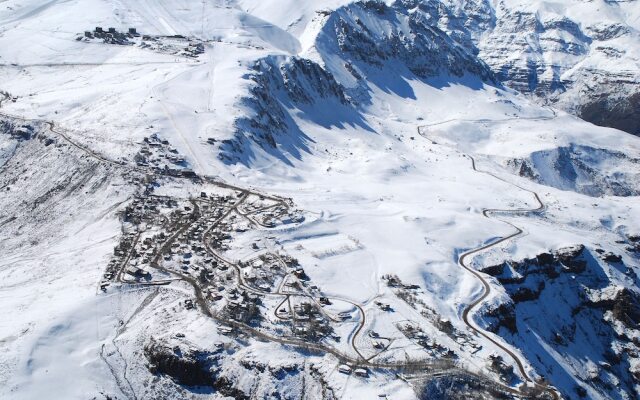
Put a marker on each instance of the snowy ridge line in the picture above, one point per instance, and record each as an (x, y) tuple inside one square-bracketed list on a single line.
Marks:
[(486, 286)]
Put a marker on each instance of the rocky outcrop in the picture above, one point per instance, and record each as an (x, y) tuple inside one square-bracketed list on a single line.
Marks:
[(566, 298), (229, 371), (606, 31), (16, 129), (192, 368), (624, 306), (457, 386), (633, 244), (583, 169), (549, 264), (501, 315)]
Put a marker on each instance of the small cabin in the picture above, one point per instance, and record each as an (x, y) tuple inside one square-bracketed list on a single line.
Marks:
[(225, 330), (344, 369), (361, 372)]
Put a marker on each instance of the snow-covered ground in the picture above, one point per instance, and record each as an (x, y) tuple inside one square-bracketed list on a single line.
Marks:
[(374, 149)]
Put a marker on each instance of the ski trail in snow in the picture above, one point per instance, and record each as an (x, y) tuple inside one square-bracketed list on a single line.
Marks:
[(175, 126), (212, 77), (168, 27)]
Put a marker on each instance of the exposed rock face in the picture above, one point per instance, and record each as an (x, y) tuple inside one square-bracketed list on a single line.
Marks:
[(606, 31), (186, 369), (231, 373), (525, 34), (568, 298), (581, 67), (193, 368), (372, 33), (503, 315), (301, 79), (17, 131), (616, 111), (624, 306), (454, 386)]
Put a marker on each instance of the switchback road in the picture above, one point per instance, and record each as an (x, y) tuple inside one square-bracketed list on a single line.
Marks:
[(463, 261)]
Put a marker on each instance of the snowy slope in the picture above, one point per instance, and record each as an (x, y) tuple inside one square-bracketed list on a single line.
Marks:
[(387, 124)]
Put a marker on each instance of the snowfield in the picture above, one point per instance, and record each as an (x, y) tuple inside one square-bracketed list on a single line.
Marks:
[(348, 157)]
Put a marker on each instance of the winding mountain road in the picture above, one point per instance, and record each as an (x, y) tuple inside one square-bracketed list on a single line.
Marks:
[(464, 262)]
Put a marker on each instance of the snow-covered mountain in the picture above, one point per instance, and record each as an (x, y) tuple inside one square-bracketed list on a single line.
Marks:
[(580, 56), (301, 199)]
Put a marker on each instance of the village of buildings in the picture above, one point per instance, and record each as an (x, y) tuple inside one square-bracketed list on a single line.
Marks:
[(173, 44), (223, 241)]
